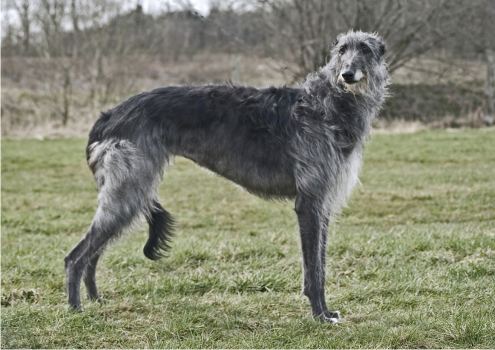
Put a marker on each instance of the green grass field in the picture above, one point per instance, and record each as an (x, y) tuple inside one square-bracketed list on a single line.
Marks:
[(411, 260)]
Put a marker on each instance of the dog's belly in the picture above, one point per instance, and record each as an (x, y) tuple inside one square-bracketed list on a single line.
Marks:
[(266, 173), (260, 180)]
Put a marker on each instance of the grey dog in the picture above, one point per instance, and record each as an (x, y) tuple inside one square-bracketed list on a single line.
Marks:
[(303, 143)]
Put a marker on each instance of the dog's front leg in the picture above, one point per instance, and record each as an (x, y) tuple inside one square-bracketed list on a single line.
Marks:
[(313, 226)]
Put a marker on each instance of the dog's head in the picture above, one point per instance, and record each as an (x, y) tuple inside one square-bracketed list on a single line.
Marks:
[(357, 62)]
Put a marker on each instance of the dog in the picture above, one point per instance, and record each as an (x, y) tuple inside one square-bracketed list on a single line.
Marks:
[(302, 143)]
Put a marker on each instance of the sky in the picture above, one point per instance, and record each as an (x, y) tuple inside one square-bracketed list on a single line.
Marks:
[(151, 6)]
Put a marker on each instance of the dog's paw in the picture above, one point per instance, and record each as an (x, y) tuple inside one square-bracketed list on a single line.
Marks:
[(333, 314), (98, 299), (75, 308), (332, 317)]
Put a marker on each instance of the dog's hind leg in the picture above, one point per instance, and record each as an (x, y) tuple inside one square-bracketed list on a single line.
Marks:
[(75, 264), (126, 181), (90, 277), (106, 225), (160, 232), (312, 224), (74, 271)]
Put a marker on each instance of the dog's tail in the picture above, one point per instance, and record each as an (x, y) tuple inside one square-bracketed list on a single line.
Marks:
[(161, 225)]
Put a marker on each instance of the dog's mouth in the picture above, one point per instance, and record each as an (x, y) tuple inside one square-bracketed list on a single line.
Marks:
[(350, 77), (353, 81)]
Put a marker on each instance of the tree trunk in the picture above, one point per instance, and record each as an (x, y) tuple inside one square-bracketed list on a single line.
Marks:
[(489, 117), (67, 95), (25, 15)]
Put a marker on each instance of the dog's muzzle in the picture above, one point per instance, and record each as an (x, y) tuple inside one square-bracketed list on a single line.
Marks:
[(352, 77)]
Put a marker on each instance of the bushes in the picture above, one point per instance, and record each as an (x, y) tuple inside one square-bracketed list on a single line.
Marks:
[(430, 103), (33, 93)]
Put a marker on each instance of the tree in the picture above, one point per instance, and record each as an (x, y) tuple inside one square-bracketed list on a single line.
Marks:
[(481, 34), (305, 29), (25, 14)]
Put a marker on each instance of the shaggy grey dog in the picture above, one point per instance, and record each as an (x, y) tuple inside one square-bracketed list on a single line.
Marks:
[(301, 143)]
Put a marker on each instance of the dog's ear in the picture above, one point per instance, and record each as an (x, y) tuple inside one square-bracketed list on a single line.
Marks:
[(336, 41), (382, 48), (378, 46)]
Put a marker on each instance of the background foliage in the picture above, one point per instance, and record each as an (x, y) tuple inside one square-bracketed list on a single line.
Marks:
[(63, 61)]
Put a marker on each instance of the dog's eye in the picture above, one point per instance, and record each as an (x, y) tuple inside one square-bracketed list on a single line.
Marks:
[(365, 48), (342, 49)]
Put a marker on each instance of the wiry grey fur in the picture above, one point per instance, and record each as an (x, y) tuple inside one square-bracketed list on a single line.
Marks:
[(304, 143)]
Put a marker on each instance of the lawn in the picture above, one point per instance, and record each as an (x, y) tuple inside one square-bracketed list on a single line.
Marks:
[(411, 262)]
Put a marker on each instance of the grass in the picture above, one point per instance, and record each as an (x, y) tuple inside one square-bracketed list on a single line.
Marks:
[(411, 260)]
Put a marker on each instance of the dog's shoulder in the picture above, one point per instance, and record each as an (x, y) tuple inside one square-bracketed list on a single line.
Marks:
[(271, 107)]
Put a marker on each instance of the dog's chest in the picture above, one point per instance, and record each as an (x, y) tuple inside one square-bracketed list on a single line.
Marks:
[(349, 175)]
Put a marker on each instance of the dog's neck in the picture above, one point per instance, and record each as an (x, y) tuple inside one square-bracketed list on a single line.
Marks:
[(350, 112)]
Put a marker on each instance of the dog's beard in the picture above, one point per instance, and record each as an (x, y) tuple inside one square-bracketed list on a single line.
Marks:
[(359, 88)]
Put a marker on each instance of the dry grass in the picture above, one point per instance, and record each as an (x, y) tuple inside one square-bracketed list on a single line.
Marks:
[(32, 89)]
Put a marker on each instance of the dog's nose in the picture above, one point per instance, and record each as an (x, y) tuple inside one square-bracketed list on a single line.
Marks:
[(348, 76)]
